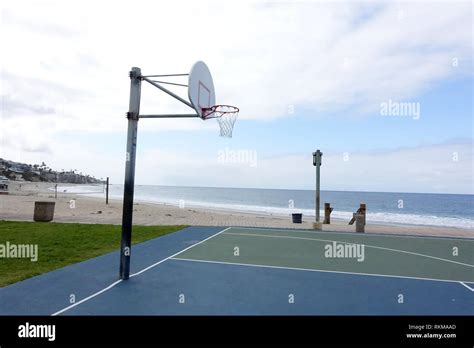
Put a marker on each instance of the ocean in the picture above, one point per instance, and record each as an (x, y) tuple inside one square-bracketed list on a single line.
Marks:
[(453, 210)]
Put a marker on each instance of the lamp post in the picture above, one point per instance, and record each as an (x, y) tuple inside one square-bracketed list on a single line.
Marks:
[(317, 163)]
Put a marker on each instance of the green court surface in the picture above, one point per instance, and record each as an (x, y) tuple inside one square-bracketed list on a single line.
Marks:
[(446, 259)]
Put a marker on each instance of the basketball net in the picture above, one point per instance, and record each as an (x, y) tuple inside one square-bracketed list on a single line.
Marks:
[(226, 115)]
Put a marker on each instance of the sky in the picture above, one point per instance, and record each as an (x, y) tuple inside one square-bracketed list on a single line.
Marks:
[(383, 89)]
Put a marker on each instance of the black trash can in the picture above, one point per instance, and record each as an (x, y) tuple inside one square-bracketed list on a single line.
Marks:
[(297, 218)]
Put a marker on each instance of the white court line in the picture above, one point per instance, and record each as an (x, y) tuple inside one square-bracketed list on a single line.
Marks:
[(467, 286), (312, 270), (467, 239), (87, 298), (370, 246), (133, 275), (179, 252)]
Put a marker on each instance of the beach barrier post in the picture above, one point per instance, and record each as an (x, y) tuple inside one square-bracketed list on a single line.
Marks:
[(107, 191), (359, 218), (327, 213), (360, 222), (362, 211)]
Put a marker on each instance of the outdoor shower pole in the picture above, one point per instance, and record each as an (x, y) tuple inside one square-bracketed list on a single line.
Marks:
[(317, 163), (132, 115)]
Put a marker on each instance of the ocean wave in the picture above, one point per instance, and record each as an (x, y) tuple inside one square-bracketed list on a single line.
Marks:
[(79, 189), (410, 219), (391, 218)]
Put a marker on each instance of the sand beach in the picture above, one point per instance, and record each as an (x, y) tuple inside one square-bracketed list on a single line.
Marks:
[(82, 208)]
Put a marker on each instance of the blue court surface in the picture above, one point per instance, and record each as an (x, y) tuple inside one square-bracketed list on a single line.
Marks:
[(250, 271)]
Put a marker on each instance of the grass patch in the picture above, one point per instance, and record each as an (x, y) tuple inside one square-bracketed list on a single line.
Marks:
[(62, 244)]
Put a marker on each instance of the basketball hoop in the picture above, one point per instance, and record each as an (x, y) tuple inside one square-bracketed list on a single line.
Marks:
[(226, 115)]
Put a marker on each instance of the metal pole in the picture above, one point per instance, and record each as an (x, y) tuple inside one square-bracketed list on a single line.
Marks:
[(132, 115), (318, 193), (169, 116), (166, 75), (317, 162), (171, 83), (107, 192)]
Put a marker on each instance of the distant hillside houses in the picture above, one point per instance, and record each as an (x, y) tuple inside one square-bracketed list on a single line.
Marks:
[(36, 173)]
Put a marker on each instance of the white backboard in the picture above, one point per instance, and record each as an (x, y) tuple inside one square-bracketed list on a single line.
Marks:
[(201, 88)]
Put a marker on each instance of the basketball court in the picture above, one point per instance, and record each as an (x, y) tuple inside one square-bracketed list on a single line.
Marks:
[(249, 271)]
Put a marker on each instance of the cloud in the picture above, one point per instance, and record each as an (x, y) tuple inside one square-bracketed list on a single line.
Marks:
[(28, 96), (264, 56), (27, 20), (11, 106), (19, 138), (329, 59)]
